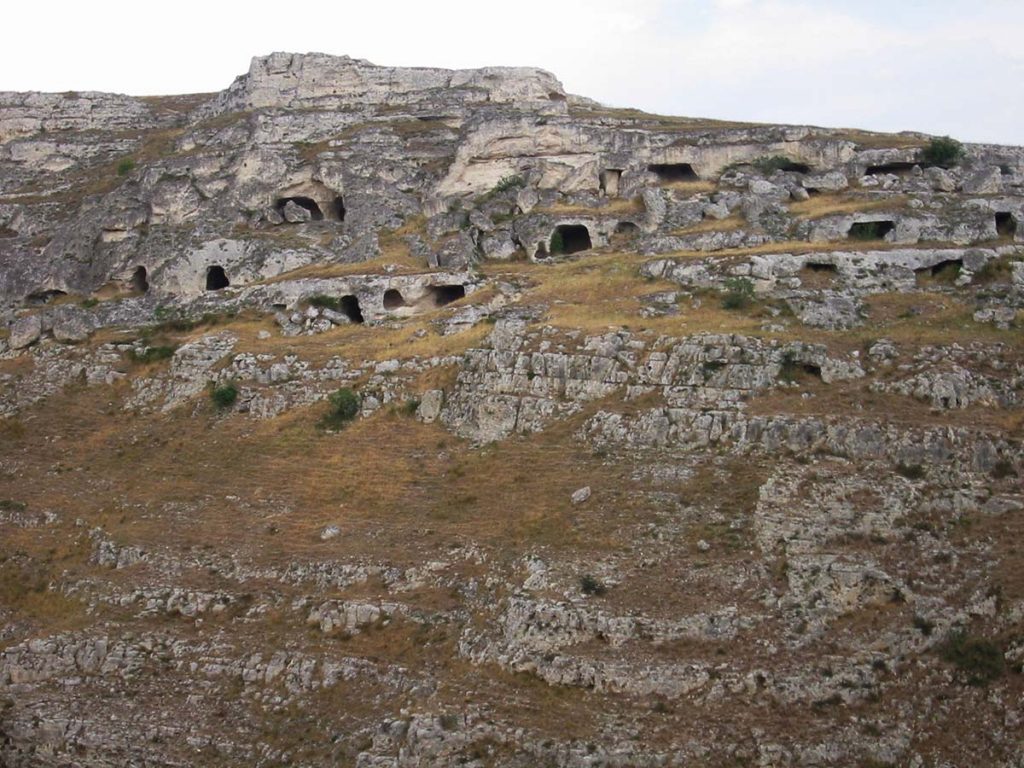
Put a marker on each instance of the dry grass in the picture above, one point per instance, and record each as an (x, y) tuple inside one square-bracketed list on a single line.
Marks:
[(614, 205), (818, 206), (729, 224)]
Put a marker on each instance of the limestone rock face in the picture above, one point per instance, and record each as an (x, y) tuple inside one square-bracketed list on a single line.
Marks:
[(394, 417)]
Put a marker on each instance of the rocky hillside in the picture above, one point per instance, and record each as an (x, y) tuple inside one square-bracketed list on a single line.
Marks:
[(372, 416)]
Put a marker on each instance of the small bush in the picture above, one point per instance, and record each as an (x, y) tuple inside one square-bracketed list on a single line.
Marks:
[(321, 301), (979, 659), (89, 303), (344, 406), (911, 471), (1003, 468), (739, 293), (943, 152), (126, 166), (768, 165), (409, 407), (225, 395), (509, 182), (591, 586), (151, 354), (557, 243)]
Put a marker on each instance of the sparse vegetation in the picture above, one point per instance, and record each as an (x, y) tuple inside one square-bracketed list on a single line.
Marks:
[(739, 293), (125, 166), (344, 406), (509, 182), (225, 395), (979, 659), (911, 471), (151, 354), (326, 302), (557, 244), (943, 152), (590, 585)]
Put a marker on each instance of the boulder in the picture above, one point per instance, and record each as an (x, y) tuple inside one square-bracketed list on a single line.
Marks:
[(985, 182), (834, 181), (295, 213), (25, 331), (72, 327)]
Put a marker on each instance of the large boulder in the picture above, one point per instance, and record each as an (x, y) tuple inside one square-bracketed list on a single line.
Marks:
[(25, 331)]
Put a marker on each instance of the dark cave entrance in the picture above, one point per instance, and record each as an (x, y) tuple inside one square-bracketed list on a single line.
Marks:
[(350, 309), (44, 296), (303, 202), (871, 230), (216, 278), (446, 294), (393, 299), (570, 238), (140, 280), (1006, 225), (338, 208), (894, 169), (944, 272), (670, 173)]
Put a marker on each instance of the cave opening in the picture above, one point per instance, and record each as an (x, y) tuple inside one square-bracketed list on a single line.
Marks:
[(393, 299), (946, 271), (350, 309), (216, 278), (895, 169), (140, 280), (307, 203), (570, 238), (339, 208), (446, 294), (871, 230), (670, 173), (1006, 224), (609, 180), (44, 296)]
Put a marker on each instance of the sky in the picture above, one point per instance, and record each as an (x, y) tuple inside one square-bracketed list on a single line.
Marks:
[(946, 67)]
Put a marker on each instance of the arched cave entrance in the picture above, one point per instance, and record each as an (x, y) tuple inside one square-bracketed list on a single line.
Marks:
[(1006, 225), (216, 278), (569, 238), (669, 173), (44, 296), (350, 309), (895, 169), (303, 202), (339, 208), (140, 280), (871, 230), (446, 294), (393, 299)]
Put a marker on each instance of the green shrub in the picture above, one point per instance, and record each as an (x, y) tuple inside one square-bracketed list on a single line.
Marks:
[(591, 586), (125, 166), (768, 165), (225, 395), (911, 471), (557, 245), (325, 302), (1003, 468), (979, 659), (344, 406), (739, 293), (509, 182), (151, 354), (410, 406), (89, 303), (943, 152)]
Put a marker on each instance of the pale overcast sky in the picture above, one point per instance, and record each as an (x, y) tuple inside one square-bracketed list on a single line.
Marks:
[(941, 66)]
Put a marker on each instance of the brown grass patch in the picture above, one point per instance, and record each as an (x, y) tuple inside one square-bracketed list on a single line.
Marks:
[(818, 206)]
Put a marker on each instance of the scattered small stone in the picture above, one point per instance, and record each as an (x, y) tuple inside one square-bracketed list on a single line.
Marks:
[(330, 532), (581, 495)]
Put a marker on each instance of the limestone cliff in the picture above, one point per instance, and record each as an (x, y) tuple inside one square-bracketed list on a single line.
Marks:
[(387, 416)]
